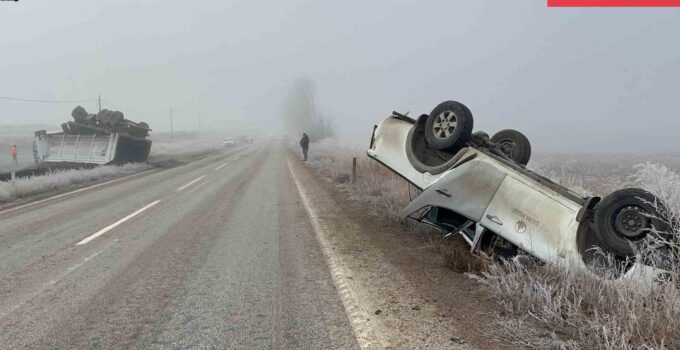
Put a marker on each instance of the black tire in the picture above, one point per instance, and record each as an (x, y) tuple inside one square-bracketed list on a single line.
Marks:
[(449, 126), (481, 134), (513, 144), (625, 217)]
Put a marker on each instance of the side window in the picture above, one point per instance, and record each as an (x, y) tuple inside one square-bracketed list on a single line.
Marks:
[(451, 222)]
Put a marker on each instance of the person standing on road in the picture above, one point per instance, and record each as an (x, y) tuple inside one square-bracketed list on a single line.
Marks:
[(13, 152), (304, 143)]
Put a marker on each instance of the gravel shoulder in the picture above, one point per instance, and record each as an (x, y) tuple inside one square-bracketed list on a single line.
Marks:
[(411, 299)]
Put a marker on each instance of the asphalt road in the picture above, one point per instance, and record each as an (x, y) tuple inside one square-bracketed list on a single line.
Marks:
[(219, 253)]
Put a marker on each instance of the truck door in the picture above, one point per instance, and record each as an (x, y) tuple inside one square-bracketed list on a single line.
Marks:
[(529, 218)]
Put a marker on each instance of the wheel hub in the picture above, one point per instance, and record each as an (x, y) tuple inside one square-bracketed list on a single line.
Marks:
[(507, 147), (631, 222), (444, 125)]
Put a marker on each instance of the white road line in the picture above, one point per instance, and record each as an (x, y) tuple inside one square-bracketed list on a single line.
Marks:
[(64, 194), (193, 189), (83, 262), (191, 183), (222, 166), (115, 224), (366, 336)]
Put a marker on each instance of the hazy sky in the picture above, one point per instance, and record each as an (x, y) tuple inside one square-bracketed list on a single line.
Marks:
[(571, 79)]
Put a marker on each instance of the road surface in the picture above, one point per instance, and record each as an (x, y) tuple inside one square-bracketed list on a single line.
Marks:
[(218, 253)]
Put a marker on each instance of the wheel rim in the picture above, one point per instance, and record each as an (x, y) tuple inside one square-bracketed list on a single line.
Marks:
[(508, 147), (631, 222), (444, 125)]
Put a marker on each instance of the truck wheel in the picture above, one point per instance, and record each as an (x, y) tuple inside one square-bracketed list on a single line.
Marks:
[(481, 134), (449, 126), (625, 217), (513, 144)]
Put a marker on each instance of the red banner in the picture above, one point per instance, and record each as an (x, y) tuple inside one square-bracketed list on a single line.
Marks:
[(613, 3)]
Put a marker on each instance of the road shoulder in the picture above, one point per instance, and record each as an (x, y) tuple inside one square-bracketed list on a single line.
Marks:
[(407, 294)]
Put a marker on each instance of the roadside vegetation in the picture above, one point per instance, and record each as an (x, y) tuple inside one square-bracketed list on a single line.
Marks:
[(546, 306), (184, 147), (62, 180)]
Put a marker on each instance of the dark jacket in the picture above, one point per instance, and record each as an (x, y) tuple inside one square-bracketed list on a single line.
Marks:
[(304, 142)]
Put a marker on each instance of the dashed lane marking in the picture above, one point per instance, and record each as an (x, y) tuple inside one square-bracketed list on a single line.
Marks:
[(117, 223), (222, 166), (193, 189), (191, 183)]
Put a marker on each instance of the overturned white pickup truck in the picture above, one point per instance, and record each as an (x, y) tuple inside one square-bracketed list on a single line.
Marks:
[(478, 186), (104, 138)]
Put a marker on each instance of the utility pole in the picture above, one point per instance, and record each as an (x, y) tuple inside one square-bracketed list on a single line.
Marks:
[(100, 102), (172, 129)]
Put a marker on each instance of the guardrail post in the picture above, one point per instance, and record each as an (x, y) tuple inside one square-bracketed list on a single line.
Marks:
[(354, 169)]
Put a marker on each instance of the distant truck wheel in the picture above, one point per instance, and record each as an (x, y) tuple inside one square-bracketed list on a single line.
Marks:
[(625, 217), (513, 144), (481, 134), (449, 126), (116, 118)]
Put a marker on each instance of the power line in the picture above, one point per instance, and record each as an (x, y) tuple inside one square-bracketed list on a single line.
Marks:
[(43, 101), (128, 109), (76, 101)]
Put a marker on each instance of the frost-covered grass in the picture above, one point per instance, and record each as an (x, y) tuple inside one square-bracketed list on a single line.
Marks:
[(185, 147), (550, 307), (56, 180), (600, 173), (385, 192)]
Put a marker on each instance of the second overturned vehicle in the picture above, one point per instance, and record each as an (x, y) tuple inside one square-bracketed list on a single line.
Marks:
[(478, 186), (96, 139)]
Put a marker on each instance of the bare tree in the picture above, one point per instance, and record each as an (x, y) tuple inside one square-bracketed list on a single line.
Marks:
[(301, 114)]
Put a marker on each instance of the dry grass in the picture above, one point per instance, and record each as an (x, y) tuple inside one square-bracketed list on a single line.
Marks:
[(546, 306), (457, 256), (25, 187), (384, 192)]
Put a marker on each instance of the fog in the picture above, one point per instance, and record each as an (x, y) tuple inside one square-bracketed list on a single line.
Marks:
[(573, 80)]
